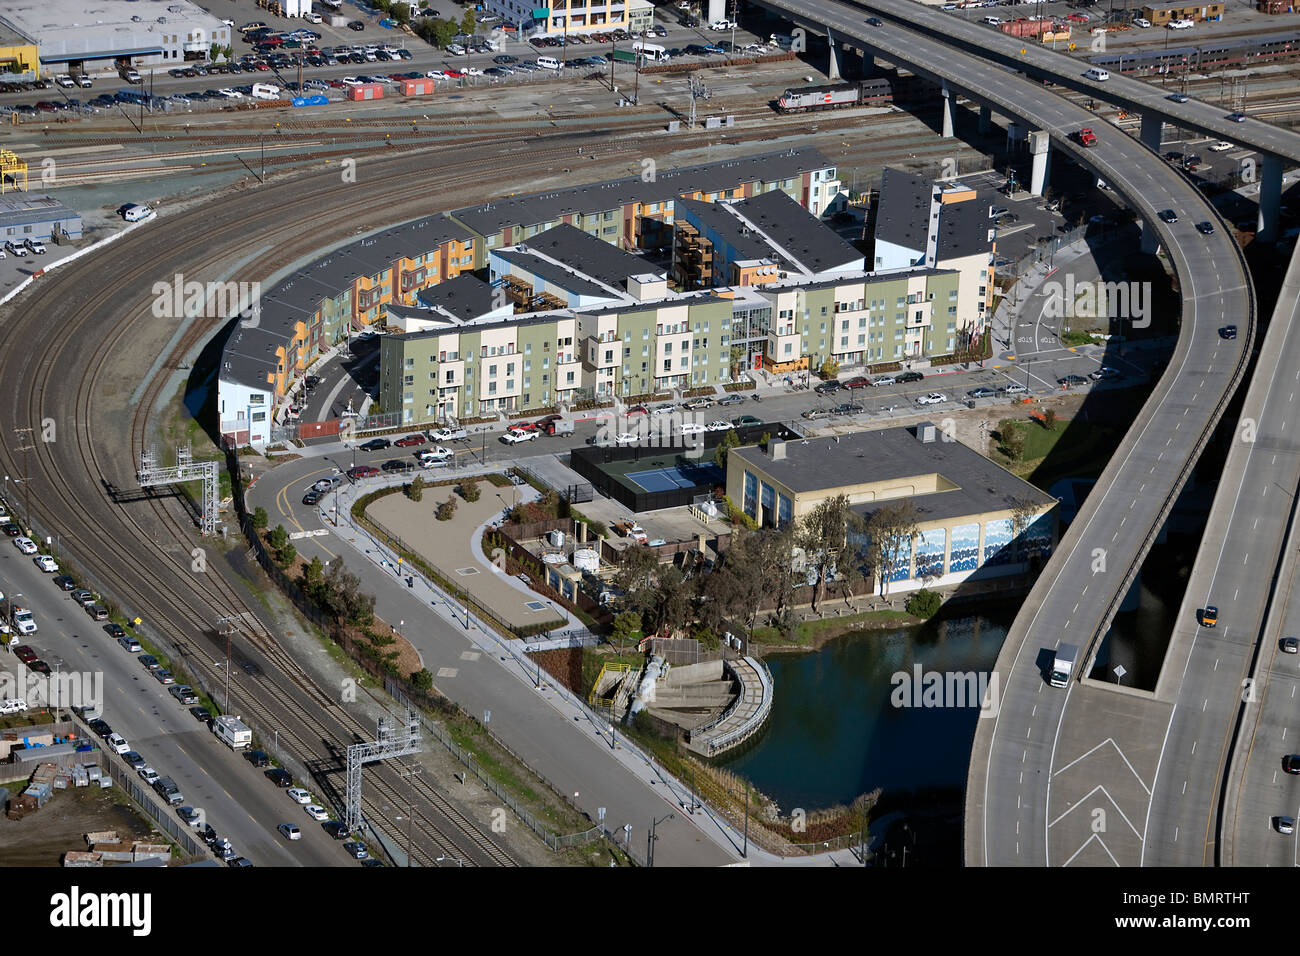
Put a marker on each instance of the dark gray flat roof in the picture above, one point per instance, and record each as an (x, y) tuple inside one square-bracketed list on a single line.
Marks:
[(798, 232), (246, 358), (591, 255), (903, 217), (713, 216), (491, 217), (555, 273), (823, 464), (466, 297)]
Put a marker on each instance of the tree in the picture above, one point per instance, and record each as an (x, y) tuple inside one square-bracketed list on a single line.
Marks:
[(401, 12), (447, 510), (415, 490), (1013, 441), (673, 600), (278, 537), (1024, 511), (737, 588), (468, 23), (890, 531), (830, 369), (1049, 419), (625, 626), (469, 490), (821, 533), (737, 357), (312, 576), (260, 518), (636, 578), (443, 31), (422, 679), (341, 598), (924, 603), (730, 441), (286, 555)]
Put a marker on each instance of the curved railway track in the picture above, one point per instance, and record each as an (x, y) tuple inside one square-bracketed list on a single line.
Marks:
[(59, 321), (157, 581)]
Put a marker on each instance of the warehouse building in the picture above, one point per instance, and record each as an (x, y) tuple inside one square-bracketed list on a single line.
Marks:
[(81, 36), (974, 519), (24, 216)]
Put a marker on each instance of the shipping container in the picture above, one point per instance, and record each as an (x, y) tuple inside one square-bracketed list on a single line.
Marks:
[(417, 87), (366, 91)]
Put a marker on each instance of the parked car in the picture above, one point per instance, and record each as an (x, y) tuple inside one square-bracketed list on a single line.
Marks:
[(375, 444), (902, 378), (362, 471), (280, 777), (289, 831), (298, 795), (114, 630), (826, 388), (46, 563), (129, 643), (410, 440), (934, 398), (983, 392), (164, 677), (1069, 381), (732, 400), (184, 693)]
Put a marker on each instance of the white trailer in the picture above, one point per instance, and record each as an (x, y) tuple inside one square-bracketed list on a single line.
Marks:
[(232, 732)]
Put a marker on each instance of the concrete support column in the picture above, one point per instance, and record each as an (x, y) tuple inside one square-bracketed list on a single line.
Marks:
[(717, 11), (868, 62), (1152, 126), (1040, 147), (986, 120), (834, 70), (1270, 195), (948, 111)]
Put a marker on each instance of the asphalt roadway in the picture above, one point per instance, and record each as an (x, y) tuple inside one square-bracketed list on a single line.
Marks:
[(1034, 59), (238, 801)]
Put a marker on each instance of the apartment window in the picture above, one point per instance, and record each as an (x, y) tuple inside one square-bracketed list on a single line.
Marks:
[(510, 385), (668, 348), (492, 371), (409, 363), (952, 310), (528, 365), (450, 378)]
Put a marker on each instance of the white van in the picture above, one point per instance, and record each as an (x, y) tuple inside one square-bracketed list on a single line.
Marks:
[(134, 212), (992, 21), (1099, 75), (265, 91), (548, 63)]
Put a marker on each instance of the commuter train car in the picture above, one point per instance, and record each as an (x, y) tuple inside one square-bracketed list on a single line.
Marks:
[(804, 99), (1242, 51)]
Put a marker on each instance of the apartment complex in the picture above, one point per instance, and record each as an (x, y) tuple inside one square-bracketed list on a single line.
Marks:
[(613, 313), (974, 519), (754, 241), (573, 16), (320, 305), (638, 212), (937, 225)]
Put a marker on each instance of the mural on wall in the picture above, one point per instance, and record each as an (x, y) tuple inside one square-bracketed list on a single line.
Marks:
[(997, 537), (929, 553), (1038, 537), (901, 568), (965, 554)]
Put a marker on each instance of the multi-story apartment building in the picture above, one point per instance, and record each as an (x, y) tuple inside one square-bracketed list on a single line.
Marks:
[(754, 241), (319, 305), (573, 16), (637, 212), (938, 225)]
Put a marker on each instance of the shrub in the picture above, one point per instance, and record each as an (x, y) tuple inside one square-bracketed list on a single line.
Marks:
[(924, 603), (415, 490), (469, 490), (422, 679), (1049, 419), (447, 510), (260, 518)]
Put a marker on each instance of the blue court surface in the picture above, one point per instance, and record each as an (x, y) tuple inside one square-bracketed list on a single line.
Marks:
[(677, 476)]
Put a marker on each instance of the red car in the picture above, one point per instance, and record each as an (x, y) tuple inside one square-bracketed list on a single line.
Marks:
[(858, 382), (362, 471), (24, 653), (526, 426), (454, 74), (410, 440)]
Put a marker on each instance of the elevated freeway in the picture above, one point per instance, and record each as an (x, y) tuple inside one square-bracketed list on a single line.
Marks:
[(1011, 808), (1278, 147)]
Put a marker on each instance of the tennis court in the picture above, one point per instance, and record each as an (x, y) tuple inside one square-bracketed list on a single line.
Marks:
[(676, 476)]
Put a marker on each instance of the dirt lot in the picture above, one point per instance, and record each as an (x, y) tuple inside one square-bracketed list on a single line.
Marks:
[(41, 838)]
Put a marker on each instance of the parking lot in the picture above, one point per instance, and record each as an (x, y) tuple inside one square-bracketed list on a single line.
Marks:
[(295, 57)]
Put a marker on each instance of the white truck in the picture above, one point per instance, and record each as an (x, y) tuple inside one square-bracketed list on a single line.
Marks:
[(232, 732), (24, 621), (1067, 655)]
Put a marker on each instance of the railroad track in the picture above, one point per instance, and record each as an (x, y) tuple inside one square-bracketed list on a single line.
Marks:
[(178, 603)]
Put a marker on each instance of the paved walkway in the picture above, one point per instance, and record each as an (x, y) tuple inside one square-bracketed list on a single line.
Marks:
[(573, 715), (752, 708)]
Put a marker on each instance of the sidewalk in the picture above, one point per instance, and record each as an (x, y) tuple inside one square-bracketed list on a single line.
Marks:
[(560, 701)]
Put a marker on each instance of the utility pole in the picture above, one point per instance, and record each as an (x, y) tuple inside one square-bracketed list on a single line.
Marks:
[(26, 447), (408, 773), (226, 628)]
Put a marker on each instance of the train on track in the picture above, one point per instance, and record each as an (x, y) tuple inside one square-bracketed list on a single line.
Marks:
[(804, 99), (1228, 52)]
